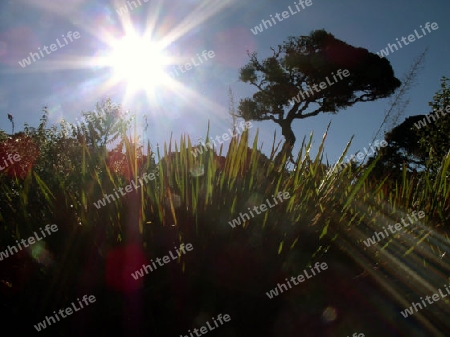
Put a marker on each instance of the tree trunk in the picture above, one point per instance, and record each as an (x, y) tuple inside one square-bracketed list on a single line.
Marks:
[(289, 141)]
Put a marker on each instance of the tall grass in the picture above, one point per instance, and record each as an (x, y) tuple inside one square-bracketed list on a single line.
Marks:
[(193, 200)]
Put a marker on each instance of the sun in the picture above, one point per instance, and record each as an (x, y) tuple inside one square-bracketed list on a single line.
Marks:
[(138, 62)]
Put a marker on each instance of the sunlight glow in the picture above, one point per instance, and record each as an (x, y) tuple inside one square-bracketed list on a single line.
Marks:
[(139, 63), (136, 61)]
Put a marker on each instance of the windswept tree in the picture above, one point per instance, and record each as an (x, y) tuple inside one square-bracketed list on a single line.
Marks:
[(435, 137), (420, 141), (301, 80), (106, 124), (402, 152)]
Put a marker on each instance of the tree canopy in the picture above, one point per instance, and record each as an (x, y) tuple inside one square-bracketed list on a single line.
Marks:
[(305, 62), (420, 141)]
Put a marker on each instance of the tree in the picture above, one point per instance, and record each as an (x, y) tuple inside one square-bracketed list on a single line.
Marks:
[(420, 141), (435, 137), (306, 62), (399, 101), (11, 119), (401, 152), (106, 124)]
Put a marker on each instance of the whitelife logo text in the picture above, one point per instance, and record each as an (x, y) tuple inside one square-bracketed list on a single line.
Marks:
[(68, 311), (300, 278), (128, 189), (16, 158), (205, 329), (411, 38), (188, 66), (199, 149), (124, 10), (423, 122), (380, 235), (262, 207), (140, 273), (360, 155), (53, 47), (436, 297), (284, 14), (49, 229), (322, 86)]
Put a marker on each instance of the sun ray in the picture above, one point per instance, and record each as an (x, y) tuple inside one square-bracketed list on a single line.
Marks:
[(110, 36), (398, 273)]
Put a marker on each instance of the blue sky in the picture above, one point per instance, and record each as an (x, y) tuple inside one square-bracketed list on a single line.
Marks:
[(69, 80)]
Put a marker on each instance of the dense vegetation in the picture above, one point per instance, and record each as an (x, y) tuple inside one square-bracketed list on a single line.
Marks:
[(63, 172)]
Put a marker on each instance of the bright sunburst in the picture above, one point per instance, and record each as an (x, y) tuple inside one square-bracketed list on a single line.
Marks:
[(138, 63)]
